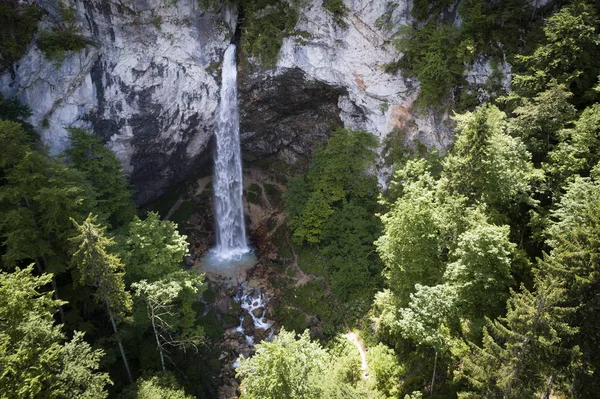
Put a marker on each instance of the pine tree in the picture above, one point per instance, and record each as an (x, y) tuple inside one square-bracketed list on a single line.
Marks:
[(486, 164), (104, 171), (575, 237), (523, 353), (94, 265), (35, 360)]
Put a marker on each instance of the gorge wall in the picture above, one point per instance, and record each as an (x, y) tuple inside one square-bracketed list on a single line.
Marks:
[(148, 84)]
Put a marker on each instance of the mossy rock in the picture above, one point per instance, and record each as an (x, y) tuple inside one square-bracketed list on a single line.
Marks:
[(254, 194)]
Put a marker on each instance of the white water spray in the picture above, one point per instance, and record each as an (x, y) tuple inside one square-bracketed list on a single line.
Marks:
[(229, 212)]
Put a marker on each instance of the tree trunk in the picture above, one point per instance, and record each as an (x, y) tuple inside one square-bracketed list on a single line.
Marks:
[(158, 345), (114, 326), (41, 269), (433, 375)]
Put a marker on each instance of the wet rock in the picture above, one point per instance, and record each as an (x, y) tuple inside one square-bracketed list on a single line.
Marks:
[(248, 324), (258, 312)]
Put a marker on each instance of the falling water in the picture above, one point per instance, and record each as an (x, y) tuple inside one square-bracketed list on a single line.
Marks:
[(229, 212)]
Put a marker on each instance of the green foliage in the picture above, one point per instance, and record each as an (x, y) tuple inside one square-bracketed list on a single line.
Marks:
[(283, 368), (38, 196), (290, 367), (103, 170), (567, 54), (152, 248), (425, 320), (573, 235), (338, 9), (18, 25), (539, 120), (57, 42), (337, 173), (384, 369), (430, 55), (156, 387), (266, 24), (94, 265), (332, 208), (577, 152), (521, 354), (13, 110), (423, 9), (169, 310), (481, 272), (496, 28), (410, 246), (35, 360), (437, 52), (385, 20), (486, 164)]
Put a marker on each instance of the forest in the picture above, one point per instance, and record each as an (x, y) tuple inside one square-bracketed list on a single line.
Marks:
[(474, 273)]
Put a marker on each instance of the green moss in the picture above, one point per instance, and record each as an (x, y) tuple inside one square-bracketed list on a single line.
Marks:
[(338, 9), (18, 25), (212, 68), (274, 196), (157, 22), (254, 194)]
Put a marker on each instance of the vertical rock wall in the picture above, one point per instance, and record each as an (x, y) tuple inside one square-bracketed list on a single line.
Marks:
[(147, 84)]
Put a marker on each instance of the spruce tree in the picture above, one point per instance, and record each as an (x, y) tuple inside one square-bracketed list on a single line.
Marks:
[(523, 353), (35, 359), (95, 266)]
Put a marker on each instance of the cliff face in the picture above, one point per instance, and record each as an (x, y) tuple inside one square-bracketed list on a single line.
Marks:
[(142, 85), (149, 84)]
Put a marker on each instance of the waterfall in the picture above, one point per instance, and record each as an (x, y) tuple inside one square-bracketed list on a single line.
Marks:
[(229, 212)]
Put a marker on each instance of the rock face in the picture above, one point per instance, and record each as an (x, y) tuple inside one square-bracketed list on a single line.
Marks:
[(286, 114), (143, 85), (149, 84), (352, 58)]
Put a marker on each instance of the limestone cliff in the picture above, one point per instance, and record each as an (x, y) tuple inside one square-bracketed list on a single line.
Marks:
[(144, 84), (149, 81)]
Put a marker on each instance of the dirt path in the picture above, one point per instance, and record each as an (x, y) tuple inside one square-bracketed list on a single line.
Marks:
[(353, 337)]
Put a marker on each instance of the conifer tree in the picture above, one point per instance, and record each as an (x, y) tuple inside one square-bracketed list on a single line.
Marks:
[(168, 306), (522, 354), (95, 266), (35, 360), (103, 170)]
